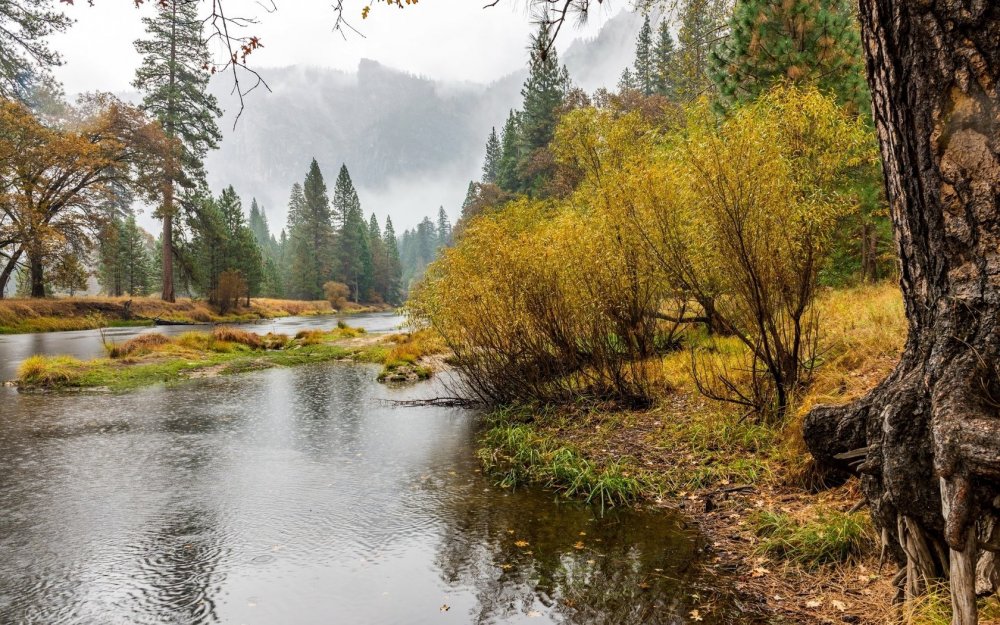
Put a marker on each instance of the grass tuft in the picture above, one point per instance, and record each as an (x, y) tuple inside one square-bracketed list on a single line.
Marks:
[(50, 371), (830, 538), (515, 454)]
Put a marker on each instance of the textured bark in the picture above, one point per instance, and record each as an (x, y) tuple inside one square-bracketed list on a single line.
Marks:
[(932, 428)]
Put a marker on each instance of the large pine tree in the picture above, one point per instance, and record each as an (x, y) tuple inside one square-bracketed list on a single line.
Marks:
[(804, 41), (174, 84), (543, 93)]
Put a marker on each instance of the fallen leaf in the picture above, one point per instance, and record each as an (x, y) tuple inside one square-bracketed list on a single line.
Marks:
[(445, 607), (840, 605), (759, 571), (813, 603), (521, 543), (578, 545), (695, 615)]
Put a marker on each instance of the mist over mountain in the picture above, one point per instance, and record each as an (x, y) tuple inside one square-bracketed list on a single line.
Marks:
[(411, 143)]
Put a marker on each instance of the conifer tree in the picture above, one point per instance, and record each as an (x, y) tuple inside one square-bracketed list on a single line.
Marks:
[(663, 63), (443, 228), (645, 72), (356, 254), (509, 156), (491, 166), (124, 259), (259, 227), (394, 270), (802, 41), (702, 27), (468, 204), (380, 260), (206, 252), (242, 253), (345, 198), (174, 84), (542, 95), (627, 82), (310, 252)]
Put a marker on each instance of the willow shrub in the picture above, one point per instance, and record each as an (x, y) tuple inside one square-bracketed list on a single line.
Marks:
[(551, 300)]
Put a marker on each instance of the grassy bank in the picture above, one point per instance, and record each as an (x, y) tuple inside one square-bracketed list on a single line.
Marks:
[(87, 313), (155, 358), (814, 557)]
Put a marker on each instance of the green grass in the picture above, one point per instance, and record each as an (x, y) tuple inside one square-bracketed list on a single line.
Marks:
[(515, 454), (830, 538), (174, 363)]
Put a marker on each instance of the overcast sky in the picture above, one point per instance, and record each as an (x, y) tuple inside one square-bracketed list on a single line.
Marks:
[(443, 39)]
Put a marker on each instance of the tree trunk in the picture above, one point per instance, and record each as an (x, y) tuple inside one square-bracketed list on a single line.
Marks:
[(8, 270), (168, 294), (36, 272), (931, 430)]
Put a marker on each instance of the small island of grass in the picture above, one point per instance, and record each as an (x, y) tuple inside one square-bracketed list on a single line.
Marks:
[(154, 358)]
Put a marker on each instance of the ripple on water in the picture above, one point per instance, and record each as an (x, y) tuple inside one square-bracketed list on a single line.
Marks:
[(290, 496)]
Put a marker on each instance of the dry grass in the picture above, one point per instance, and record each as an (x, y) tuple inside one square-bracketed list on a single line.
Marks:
[(80, 313), (138, 346), (240, 337), (49, 371)]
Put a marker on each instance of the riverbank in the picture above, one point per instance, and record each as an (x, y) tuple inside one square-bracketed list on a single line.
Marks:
[(810, 555), (18, 316), (155, 358)]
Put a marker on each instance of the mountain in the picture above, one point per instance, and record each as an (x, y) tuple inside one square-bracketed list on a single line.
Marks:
[(411, 143)]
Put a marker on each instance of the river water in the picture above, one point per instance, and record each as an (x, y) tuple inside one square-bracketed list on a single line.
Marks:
[(87, 344), (296, 496)]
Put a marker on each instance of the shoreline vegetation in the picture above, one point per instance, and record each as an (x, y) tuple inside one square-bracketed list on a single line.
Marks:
[(22, 316), (797, 552), (154, 358)]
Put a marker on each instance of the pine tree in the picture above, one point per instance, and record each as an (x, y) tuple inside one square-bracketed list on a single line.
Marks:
[(627, 82), (174, 85), (356, 261), (491, 166), (443, 228), (345, 198), (242, 253), (645, 72), (802, 41), (542, 95), (468, 204), (310, 252), (259, 227), (205, 255), (702, 26), (380, 260), (394, 269), (663, 63), (124, 265), (509, 156)]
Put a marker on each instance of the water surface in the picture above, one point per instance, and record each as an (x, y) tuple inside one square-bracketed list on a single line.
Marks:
[(87, 344), (293, 496)]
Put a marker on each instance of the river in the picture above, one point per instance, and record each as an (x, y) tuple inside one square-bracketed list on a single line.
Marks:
[(87, 344), (297, 496)]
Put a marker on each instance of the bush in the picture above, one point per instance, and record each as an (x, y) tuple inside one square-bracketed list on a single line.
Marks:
[(337, 293)]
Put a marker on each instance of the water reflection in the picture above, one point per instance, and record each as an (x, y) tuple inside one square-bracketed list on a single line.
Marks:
[(290, 496)]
